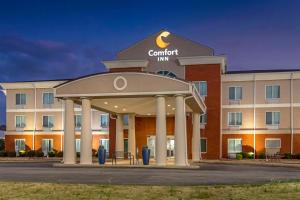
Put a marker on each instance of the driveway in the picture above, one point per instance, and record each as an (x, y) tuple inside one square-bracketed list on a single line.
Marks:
[(207, 174)]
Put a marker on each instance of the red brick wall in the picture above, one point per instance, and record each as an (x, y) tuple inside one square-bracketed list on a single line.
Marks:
[(212, 74)]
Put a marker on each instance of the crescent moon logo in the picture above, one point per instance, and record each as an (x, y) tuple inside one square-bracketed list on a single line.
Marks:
[(159, 41)]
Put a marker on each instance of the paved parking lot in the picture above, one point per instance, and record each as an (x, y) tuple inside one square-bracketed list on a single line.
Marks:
[(206, 174)]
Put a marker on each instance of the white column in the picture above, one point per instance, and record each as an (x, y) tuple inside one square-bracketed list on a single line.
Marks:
[(196, 137), (69, 133), (86, 133), (131, 134), (161, 135), (119, 136), (180, 133)]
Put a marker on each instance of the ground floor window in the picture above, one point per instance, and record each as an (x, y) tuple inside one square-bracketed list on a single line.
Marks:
[(234, 145), (77, 145), (47, 146), (105, 143), (19, 145), (203, 143), (272, 143), (170, 146)]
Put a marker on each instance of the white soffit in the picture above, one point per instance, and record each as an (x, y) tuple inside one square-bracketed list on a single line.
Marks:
[(30, 85), (125, 63)]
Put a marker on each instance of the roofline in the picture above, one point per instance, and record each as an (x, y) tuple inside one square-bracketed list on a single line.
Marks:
[(261, 71)]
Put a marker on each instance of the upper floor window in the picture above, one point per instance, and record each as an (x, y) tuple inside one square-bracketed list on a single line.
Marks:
[(20, 99), (104, 121), (48, 121), (77, 121), (272, 118), (20, 121), (235, 93), (234, 118), (203, 118), (167, 73), (48, 98), (201, 87), (272, 91)]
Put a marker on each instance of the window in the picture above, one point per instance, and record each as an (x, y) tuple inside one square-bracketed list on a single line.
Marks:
[(48, 98), (234, 145), (47, 121), (125, 120), (235, 93), (105, 143), (77, 121), (20, 121), (203, 118), (234, 118), (203, 145), (201, 87), (126, 145), (104, 121), (167, 73), (47, 146), (273, 143), (77, 145), (272, 118), (20, 99), (272, 91), (19, 145)]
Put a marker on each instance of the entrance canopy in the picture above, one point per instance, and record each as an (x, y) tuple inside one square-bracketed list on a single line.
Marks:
[(130, 92)]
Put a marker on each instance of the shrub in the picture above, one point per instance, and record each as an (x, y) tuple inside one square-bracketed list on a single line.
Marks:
[(298, 155), (39, 154), (59, 154), (3, 153), (30, 153), (22, 153), (262, 156), (287, 156), (239, 156), (51, 154), (78, 154), (244, 154), (2, 144), (11, 154), (250, 155)]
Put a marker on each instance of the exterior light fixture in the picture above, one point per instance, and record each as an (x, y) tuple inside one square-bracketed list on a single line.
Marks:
[(105, 102), (116, 106)]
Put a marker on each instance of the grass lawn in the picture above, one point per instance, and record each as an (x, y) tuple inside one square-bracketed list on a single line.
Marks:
[(53, 191)]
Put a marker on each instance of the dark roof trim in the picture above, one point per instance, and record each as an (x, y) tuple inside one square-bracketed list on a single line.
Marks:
[(261, 71)]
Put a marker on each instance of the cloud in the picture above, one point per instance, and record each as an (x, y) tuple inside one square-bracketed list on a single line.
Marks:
[(27, 60)]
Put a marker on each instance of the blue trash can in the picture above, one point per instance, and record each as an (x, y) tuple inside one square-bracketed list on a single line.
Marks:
[(101, 155), (146, 155)]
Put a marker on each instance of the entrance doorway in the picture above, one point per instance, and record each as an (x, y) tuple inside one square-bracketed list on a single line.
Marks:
[(170, 148)]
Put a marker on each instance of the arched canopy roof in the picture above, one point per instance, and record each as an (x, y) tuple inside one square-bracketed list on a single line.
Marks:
[(128, 86)]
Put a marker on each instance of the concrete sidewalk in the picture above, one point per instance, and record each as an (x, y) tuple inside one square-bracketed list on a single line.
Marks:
[(258, 162)]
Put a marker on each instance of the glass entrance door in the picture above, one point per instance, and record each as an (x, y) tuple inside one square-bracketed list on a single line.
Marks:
[(170, 148)]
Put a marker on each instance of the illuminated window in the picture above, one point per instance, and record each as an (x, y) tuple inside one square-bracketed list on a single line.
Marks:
[(167, 73), (19, 145), (104, 121), (234, 145), (77, 121)]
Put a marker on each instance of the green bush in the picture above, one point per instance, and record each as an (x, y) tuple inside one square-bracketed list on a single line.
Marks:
[(244, 154), (2, 144), (11, 154), (39, 154), (287, 156), (22, 153), (3, 153), (298, 155), (51, 154), (59, 154), (262, 156), (239, 156), (30, 153)]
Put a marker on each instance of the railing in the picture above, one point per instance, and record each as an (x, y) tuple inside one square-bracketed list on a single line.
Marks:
[(122, 155)]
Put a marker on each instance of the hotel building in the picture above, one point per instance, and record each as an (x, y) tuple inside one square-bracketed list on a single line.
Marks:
[(165, 91)]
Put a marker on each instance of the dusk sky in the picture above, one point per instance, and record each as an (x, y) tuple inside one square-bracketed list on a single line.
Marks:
[(42, 40)]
